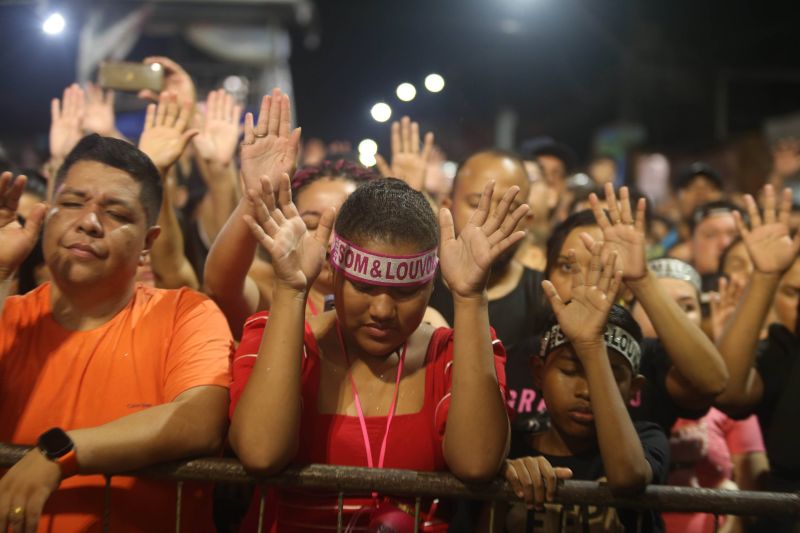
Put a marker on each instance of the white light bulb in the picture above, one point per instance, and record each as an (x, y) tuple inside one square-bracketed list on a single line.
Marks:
[(381, 112), (368, 147), (367, 160), (434, 83), (54, 24), (406, 92)]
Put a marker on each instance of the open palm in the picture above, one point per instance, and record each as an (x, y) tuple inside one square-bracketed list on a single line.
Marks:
[(297, 255), (622, 234), (467, 260), (219, 137), (270, 146), (99, 114), (66, 121), (409, 161), (771, 248), (165, 137), (16, 241), (584, 317)]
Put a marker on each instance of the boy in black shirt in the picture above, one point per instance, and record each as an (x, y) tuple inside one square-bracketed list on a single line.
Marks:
[(587, 372)]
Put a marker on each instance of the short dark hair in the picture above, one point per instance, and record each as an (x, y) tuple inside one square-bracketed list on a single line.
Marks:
[(334, 169), (537, 147), (123, 156), (387, 209), (560, 233), (695, 170), (706, 210)]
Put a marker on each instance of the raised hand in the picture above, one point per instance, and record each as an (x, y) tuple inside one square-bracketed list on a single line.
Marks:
[(176, 80), (771, 248), (409, 163), (219, 137), (297, 255), (66, 121), (467, 260), (99, 113), (534, 479), (583, 318), (270, 146), (165, 135), (723, 304), (16, 241), (622, 233)]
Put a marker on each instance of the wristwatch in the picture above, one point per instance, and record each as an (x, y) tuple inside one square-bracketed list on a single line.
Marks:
[(56, 445)]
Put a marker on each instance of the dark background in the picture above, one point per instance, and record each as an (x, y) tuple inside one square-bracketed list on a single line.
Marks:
[(567, 67)]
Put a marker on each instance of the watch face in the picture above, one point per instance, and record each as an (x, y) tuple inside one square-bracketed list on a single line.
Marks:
[(55, 443)]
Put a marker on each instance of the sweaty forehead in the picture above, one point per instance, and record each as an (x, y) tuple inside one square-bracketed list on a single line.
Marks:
[(97, 178), (481, 168)]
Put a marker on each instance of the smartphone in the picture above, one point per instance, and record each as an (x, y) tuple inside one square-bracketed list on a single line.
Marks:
[(131, 76)]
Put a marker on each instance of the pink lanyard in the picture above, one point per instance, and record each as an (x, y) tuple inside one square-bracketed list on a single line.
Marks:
[(360, 411), (311, 306)]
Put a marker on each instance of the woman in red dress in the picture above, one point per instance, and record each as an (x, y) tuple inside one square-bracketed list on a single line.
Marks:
[(370, 384)]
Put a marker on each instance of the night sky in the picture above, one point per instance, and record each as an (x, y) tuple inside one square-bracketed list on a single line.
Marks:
[(566, 67)]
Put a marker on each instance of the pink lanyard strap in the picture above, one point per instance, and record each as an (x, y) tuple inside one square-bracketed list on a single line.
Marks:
[(311, 307), (362, 421)]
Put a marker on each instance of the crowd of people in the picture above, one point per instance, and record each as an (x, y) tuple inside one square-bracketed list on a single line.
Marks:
[(221, 287)]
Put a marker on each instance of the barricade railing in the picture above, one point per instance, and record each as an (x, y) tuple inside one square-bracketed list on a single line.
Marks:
[(355, 480)]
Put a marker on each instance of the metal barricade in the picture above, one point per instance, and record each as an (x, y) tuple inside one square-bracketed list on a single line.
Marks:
[(341, 480)]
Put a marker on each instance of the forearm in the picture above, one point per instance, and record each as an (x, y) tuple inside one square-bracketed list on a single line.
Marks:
[(226, 272), (739, 340), (221, 198), (192, 427), (477, 431), (694, 355), (626, 468), (230, 258), (266, 422), (169, 262)]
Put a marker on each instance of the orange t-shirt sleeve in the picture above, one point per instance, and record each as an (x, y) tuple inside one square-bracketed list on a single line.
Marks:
[(199, 353)]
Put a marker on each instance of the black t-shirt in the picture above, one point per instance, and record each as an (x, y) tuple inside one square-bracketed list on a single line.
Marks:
[(778, 364), (517, 318), (653, 403), (589, 467)]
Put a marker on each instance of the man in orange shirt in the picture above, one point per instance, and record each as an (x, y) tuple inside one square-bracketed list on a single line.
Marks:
[(102, 374)]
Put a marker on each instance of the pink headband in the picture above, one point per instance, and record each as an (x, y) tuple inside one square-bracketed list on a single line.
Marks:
[(368, 267)]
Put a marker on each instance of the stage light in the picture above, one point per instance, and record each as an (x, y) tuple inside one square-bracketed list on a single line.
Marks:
[(381, 112), (406, 92), (233, 84), (434, 83), (367, 160), (54, 24), (368, 147)]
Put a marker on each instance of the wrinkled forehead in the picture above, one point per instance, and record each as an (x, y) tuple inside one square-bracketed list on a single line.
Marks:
[(94, 179)]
